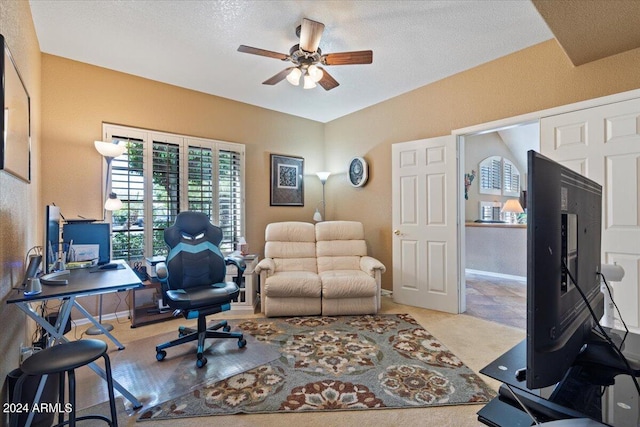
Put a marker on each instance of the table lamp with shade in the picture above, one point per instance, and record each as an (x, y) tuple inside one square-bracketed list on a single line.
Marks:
[(514, 209)]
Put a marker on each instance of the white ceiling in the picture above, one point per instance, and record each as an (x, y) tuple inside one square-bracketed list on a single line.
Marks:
[(193, 44)]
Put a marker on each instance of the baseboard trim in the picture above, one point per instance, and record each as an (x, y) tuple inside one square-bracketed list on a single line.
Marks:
[(109, 316), (498, 275)]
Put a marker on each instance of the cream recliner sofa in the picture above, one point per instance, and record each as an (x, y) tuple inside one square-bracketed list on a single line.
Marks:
[(350, 279), (322, 269), (289, 281)]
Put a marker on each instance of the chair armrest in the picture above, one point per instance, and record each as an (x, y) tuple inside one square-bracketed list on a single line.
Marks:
[(238, 262), (371, 265), (267, 266)]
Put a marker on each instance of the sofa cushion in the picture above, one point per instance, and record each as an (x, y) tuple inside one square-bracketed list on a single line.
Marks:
[(292, 245), (291, 284), (328, 263), (347, 284), (290, 231), (339, 230), (290, 250)]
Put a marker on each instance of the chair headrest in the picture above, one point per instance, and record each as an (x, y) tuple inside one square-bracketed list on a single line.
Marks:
[(192, 226)]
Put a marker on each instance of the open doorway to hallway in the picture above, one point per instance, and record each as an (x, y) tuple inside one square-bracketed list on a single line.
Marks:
[(495, 173)]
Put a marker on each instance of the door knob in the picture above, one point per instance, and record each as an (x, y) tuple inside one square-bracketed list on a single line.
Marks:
[(396, 232)]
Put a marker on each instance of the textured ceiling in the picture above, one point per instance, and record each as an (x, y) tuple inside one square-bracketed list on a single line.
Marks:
[(588, 31), (193, 44)]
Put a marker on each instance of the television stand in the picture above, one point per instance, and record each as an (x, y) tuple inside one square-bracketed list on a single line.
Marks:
[(564, 404)]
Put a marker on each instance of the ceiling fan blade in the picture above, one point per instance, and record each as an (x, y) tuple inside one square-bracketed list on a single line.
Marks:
[(348, 58), (278, 77), (327, 82), (262, 52), (310, 35)]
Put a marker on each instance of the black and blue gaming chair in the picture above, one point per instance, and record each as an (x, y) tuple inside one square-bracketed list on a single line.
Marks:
[(193, 280)]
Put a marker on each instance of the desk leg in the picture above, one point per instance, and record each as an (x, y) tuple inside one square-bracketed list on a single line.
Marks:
[(97, 324), (130, 397), (57, 334), (55, 331)]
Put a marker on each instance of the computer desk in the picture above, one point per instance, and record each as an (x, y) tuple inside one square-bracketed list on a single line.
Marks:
[(82, 282)]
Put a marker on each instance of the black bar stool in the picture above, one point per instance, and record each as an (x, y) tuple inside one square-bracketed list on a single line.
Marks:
[(66, 357)]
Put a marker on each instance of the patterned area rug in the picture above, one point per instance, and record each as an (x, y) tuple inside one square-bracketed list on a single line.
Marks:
[(336, 363)]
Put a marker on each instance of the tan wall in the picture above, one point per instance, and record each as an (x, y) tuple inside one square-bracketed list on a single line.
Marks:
[(78, 98), (18, 200), (530, 80)]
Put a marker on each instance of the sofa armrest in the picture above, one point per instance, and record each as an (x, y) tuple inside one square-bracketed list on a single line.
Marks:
[(266, 266), (371, 266)]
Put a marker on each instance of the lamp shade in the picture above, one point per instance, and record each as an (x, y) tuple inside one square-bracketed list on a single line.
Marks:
[(108, 149), (315, 73), (512, 205), (309, 83), (294, 76), (323, 176), (317, 216), (113, 203)]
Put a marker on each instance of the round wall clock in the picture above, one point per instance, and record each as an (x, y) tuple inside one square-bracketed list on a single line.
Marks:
[(358, 171)]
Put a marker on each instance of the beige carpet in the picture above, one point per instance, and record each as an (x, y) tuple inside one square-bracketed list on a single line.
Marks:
[(476, 342)]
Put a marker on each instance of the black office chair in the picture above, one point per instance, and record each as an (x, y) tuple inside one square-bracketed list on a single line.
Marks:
[(193, 280)]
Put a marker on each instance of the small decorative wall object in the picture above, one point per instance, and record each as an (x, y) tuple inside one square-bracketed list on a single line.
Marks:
[(358, 171), (287, 187), (468, 179), (15, 119)]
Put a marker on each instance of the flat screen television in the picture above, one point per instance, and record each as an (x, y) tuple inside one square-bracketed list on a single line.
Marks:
[(51, 237), (564, 222)]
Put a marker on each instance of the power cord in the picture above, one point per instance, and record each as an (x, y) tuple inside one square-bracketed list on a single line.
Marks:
[(601, 329)]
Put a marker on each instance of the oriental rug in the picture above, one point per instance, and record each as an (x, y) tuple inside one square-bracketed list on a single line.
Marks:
[(335, 363)]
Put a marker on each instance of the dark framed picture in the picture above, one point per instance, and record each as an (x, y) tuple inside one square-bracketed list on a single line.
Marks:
[(287, 187), (15, 121)]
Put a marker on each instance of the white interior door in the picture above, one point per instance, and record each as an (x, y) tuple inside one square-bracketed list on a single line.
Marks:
[(424, 217), (603, 143)]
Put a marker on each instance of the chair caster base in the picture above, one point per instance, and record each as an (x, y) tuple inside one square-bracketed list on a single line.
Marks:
[(201, 362)]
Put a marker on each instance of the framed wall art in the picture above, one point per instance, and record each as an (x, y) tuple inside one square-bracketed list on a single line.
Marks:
[(287, 187), (15, 120)]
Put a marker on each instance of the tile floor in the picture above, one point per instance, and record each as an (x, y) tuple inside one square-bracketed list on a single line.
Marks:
[(497, 299)]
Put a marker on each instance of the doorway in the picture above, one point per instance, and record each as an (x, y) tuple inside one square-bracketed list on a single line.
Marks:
[(494, 170)]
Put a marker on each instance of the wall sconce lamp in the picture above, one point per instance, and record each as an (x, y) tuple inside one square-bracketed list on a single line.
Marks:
[(514, 209), (110, 151), (317, 216)]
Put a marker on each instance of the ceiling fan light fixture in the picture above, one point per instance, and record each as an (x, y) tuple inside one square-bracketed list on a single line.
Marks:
[(315, 73), (309, 83), (294, 76)]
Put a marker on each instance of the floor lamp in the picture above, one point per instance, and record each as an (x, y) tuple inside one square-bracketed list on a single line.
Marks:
[(317, 216), (109, 151)]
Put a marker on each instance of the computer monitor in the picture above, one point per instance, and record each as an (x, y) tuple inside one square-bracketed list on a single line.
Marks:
[(564, 221), (90, 234), (51, 237)]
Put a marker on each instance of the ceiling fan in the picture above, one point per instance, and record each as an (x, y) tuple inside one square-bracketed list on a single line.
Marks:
[(307, 57)]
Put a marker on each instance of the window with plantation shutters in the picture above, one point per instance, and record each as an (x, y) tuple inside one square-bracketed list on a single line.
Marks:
[(162, 174), (511, 177), (230, 195), (499, 176)]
